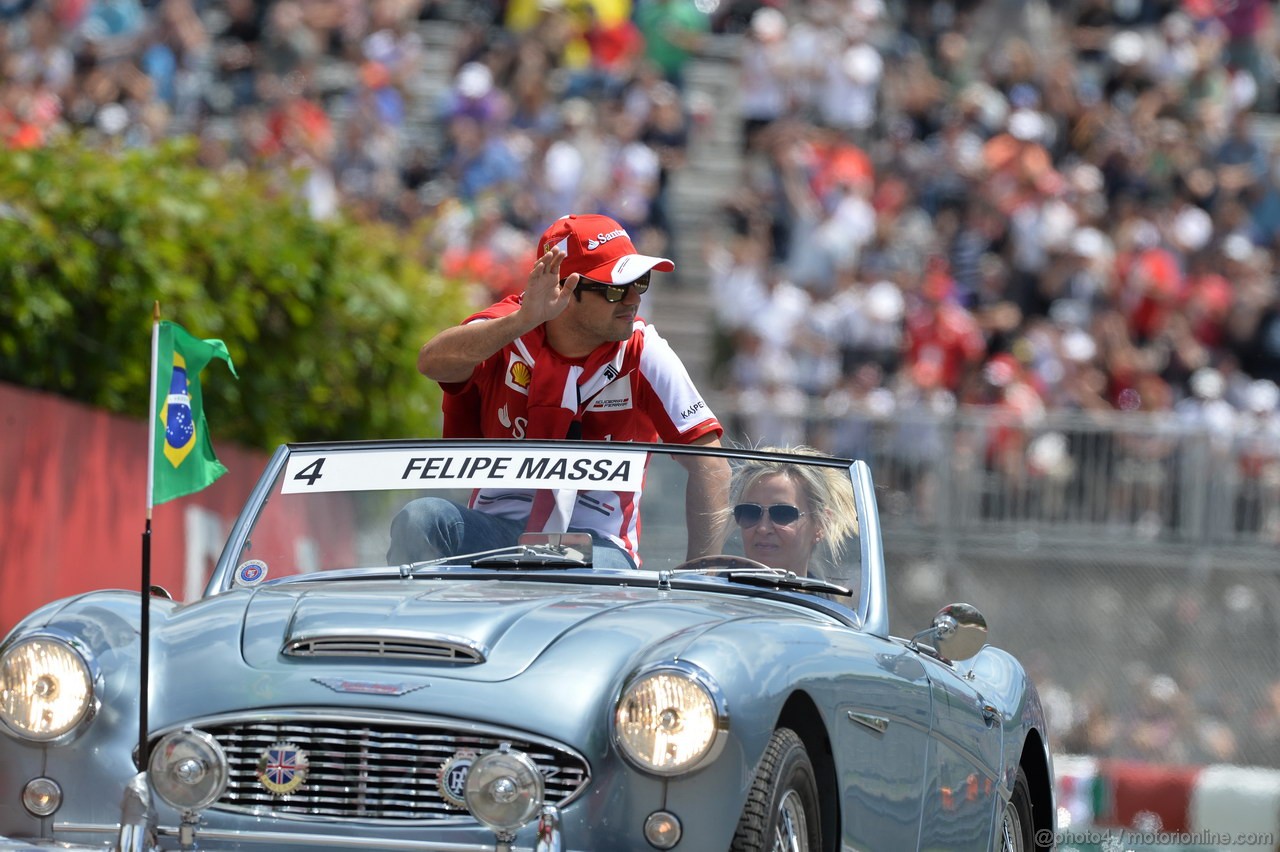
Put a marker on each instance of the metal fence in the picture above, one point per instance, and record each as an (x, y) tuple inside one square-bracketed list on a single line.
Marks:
[(1130, 561), (983, 482)]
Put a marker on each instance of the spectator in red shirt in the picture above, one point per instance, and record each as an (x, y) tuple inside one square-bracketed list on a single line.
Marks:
[(942, 333), (614, 48)]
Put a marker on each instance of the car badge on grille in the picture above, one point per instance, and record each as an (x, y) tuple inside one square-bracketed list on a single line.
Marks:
[(452, 778), (282, 768)]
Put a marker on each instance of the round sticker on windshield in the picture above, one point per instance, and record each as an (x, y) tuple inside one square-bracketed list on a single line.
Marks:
[(251, 573)]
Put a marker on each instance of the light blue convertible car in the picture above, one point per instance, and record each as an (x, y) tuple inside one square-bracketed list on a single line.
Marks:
[(657, 647)]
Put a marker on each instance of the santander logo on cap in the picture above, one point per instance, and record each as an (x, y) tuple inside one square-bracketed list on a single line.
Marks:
[(600, 239)]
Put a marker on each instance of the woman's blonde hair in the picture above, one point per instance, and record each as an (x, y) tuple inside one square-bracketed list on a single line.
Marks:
[(828, 491)]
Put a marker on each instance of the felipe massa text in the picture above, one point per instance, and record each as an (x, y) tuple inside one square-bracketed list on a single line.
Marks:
[(498, 467)]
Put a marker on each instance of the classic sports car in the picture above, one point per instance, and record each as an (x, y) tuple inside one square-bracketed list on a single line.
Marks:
[(321, 695)]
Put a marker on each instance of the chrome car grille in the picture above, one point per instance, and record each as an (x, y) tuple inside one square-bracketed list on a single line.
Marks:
[(373, 770)]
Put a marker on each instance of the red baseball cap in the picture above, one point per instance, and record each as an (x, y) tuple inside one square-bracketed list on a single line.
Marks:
[(598, 248)]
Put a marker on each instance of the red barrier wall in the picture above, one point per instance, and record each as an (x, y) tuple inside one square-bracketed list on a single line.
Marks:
[(73, 505)]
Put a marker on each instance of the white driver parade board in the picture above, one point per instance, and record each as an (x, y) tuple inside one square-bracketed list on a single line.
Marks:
[(419, 468)]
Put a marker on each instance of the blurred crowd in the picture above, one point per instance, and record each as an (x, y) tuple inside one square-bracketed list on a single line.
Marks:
[(1078, 215), (1027, 206), (546, 107), (1015, 209)]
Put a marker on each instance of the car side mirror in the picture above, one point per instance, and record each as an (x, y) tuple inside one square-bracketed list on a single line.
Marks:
[(959, 631)]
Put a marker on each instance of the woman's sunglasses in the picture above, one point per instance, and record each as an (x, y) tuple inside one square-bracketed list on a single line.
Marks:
[(613, 292), (782, 514)]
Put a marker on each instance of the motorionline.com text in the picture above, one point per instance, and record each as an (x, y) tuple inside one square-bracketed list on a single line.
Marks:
[(1127, 837)]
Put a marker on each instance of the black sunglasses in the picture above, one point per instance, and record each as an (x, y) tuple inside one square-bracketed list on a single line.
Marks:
[(782, 514), (612, 292)]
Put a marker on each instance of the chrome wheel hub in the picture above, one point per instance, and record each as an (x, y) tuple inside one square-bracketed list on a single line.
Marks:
[(792, 832), (1011, 839)]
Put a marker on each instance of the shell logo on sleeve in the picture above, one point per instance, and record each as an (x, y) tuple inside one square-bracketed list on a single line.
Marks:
[(519, 374)]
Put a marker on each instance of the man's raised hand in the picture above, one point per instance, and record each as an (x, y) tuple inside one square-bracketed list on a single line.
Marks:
[(546, 298)]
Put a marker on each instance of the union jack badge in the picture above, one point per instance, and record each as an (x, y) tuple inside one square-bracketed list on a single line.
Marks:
[(452, 777), (282, 768)]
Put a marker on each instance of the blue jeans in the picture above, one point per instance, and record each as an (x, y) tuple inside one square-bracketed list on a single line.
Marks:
[(433, 528)]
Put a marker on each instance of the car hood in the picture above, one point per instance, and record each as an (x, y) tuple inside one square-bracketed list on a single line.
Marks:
[(473, 630)]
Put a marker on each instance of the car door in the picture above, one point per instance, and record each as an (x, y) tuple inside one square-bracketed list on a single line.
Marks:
[(881, 736), (962, 780)]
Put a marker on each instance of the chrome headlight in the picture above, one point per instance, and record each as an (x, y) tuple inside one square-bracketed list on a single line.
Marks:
[(504, 789), (46, 686), (671, 719), (189, 769)]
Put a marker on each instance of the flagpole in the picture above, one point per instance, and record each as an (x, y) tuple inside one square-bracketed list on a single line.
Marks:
[(144, 659), (151, 414)]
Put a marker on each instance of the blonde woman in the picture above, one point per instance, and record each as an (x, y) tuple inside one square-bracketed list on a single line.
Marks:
[(795, 517)]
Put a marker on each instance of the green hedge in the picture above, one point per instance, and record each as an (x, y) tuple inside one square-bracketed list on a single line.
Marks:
[(322, 319)]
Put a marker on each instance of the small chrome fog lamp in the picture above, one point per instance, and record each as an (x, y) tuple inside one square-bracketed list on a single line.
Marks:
[(188, 769), (662, 830), (504, 789), (41, 796)]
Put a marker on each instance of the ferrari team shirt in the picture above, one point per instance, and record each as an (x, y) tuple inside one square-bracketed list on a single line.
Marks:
[(635, 390)]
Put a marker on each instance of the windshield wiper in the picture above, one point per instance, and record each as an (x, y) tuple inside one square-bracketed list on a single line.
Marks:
[(787, 581), (767, 578), (534, 556), (515, 556)]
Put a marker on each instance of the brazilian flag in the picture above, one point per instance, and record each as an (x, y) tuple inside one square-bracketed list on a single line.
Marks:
[(183, 453)]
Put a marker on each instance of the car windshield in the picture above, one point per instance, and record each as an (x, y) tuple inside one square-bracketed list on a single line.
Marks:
[(411, 507)]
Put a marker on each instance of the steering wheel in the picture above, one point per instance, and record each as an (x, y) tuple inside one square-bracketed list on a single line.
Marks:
[(726, 560)]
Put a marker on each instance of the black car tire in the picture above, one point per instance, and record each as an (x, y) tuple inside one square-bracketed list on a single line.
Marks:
[(1017, 832), (782, 811)]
